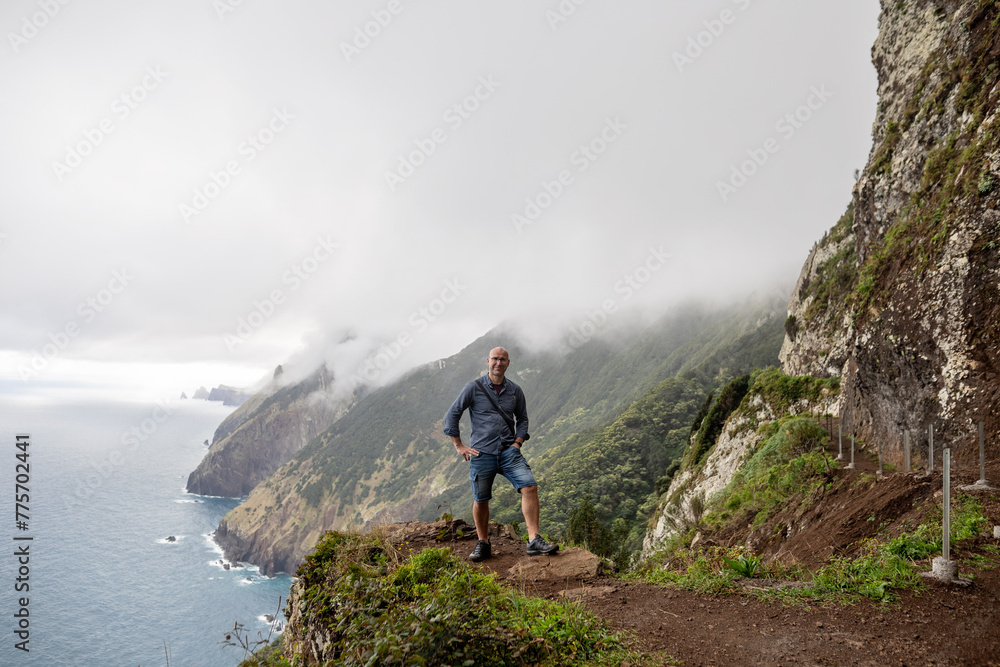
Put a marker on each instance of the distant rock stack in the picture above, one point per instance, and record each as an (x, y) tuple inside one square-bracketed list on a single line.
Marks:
[(229, 395), (183, 396), (202, 393)]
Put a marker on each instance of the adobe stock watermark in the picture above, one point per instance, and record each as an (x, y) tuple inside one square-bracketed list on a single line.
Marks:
[(455, 116), (248, 150), (698, 43), (627, 287), (223, 7), (419, 321), (129, 440), (370, 30), (786, 126), (584, 156), (562, 13), (31, 24), (294, 277), (121, 108), (88, 310)]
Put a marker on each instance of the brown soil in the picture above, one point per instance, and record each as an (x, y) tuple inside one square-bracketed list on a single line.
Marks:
[(940, 625)]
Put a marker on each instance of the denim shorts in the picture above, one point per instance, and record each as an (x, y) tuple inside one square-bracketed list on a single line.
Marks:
[(510, 463)]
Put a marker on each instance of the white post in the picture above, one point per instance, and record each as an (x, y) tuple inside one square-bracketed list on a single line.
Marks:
[(840, 441), (946, 530), (930, 450), (982, 457), (850, 466), (879, 444)]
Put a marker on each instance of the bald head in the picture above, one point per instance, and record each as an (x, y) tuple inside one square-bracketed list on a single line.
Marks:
[(496, 364)]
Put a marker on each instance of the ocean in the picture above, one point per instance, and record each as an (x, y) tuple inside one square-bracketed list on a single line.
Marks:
[(105, 584)]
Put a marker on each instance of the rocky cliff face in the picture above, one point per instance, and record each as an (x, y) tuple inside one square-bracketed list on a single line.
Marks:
[(263, 433), (771, 397), (902, 298)]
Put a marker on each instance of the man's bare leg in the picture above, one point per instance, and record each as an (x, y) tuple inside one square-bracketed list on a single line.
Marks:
[(529, 508), (481, 515)]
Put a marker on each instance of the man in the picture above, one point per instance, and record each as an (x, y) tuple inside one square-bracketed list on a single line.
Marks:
[(496, 448)]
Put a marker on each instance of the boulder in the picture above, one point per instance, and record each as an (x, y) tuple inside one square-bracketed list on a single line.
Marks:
[(574, 563)]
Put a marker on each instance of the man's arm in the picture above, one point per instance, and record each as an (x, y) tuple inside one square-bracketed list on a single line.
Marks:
[(451, 419), (521, 415)]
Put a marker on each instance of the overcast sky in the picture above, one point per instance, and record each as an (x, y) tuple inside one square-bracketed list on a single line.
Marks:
[(196, 191)]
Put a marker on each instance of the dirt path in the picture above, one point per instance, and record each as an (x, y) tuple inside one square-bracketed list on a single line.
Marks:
[(941, 625)]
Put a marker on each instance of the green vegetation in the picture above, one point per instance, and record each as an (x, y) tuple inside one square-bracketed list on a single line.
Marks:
[(835, 277), (967, 522), (615, 469), (272, 655), (711, 426), (882, 161), (747, 566), (781, 392), (874, 573), (790, 464), (790, 468), (432, 608), (769, 479), (586, 529)]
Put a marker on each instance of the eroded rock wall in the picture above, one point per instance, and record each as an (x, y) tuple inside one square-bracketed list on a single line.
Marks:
[(913, 325)]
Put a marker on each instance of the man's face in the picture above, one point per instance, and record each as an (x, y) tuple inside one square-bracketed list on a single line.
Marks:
[(497, 362)]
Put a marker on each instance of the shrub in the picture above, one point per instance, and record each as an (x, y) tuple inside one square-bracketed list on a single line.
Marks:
[(711, 427), (432, 608)]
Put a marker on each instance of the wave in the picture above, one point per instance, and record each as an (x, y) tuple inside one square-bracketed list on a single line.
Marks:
[(276, 625)]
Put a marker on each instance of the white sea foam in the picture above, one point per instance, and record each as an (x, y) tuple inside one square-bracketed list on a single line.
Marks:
[(212, 544), (277, 625), (203, 495)]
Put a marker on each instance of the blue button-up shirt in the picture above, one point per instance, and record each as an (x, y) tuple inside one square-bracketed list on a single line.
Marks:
[(489, 430)]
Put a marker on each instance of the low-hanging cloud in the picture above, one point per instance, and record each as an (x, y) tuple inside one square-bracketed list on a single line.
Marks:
[(464, 164)]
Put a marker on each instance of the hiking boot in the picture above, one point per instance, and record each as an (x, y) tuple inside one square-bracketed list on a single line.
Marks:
[(540, 547), (481, 552)]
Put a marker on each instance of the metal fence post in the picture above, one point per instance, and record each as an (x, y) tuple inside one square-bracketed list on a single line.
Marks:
[(946, 529), (906, 451), (930, 450), (982, 456), (879, 445)]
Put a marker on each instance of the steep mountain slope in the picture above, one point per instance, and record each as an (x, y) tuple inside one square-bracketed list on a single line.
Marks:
[(263, 433), (386, 459), (709, 468), (902, 298)]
